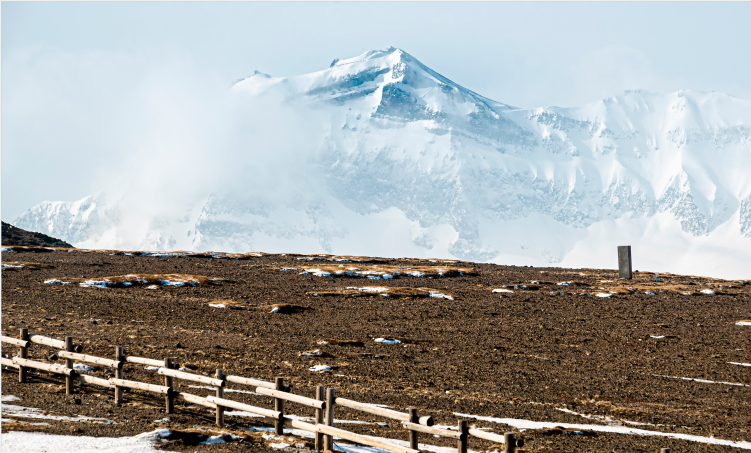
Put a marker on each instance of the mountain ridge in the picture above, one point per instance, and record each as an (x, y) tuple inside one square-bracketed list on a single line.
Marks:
[(443, 167)]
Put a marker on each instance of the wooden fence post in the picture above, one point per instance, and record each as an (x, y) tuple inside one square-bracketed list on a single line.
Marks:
[(624, 262), (279, 406), (120, 357), (69, 364), (169, 399), (664, 450), (24, 354), (510, 442), (220, 394), (463, 440), (328, 441), (320, 396), (413, 434)]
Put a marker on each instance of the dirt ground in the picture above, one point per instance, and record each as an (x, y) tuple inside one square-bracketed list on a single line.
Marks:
[(538, 353)]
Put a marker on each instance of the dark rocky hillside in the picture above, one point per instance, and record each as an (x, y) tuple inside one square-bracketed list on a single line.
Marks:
[(17, 236)]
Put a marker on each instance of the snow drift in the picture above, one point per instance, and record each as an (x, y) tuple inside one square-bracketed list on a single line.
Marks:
[(380, 155)]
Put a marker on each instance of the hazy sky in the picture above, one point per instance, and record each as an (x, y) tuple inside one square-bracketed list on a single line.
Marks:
[(85, 84)]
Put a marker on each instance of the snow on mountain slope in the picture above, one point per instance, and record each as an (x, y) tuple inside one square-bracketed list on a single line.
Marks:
[(407, 162)]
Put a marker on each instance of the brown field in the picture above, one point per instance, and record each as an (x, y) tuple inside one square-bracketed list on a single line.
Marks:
[(548, 352)]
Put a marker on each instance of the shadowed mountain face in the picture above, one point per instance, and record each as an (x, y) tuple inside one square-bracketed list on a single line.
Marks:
[(17, 236), (411, 163)]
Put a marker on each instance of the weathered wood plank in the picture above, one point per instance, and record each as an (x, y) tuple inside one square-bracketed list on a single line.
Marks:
[(191, 377), (51, 367), (276, 415), (94, 380), (383, 412), (15, 341), (364, 440), (90, 359), (251, 382), (162, 390), (430, 430), (305, 401), (195, 399), (144, 361)]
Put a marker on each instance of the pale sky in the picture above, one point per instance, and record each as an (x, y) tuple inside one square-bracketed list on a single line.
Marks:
[(81, 82)]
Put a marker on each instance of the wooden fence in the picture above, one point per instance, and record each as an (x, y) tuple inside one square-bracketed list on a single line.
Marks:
[(324, 403)]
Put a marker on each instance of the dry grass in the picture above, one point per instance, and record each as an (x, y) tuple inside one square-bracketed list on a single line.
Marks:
[(339, 258), (379, 271), (396, 292), (231, 304), (644, 282), (133, 280), (8, 265)]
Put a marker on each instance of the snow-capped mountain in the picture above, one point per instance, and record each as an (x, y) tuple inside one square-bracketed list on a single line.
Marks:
[(409, 163)]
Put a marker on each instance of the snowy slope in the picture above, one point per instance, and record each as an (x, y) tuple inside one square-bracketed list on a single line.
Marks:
[(407, 162)]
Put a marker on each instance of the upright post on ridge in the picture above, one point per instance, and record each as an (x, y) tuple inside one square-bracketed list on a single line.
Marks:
[(220, 394), (24, 354), (328, 441), (320, 396), (664, 450), (624, 262), (279, 406), (69, 364), (169, 398), (120, 357)]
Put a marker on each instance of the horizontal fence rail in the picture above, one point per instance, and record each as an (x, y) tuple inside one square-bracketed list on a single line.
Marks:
[(251, 382), (292, 398), (191, 377), (383, 412), (143, 361), (14, 341), (90, 359)]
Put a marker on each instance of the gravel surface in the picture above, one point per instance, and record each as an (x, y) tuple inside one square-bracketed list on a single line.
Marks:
[(527, 354)]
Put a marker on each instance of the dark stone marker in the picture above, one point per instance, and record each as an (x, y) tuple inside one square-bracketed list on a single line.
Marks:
[(624, 262)]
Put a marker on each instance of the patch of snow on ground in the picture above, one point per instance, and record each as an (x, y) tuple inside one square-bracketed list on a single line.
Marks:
[(743, 323), (385, 341), (705, 381), (56, 281), (320, 368), (529, 424), (739, 363), (502, 291), (11, 410), (30, 442), (603, 295), (9, 398)]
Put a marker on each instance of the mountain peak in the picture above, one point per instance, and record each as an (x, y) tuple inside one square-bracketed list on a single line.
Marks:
[(369, 55)]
